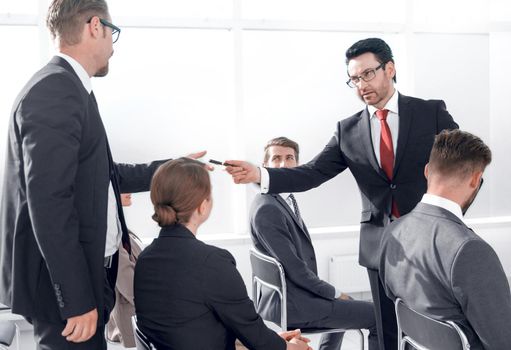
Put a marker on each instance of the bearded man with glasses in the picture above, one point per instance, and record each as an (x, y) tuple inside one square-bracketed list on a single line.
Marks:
[(386, 146)]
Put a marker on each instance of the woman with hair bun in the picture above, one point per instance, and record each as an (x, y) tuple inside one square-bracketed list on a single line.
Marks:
[(189, 295)]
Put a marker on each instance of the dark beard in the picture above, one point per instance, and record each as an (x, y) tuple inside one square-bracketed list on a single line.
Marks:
[(102, 72), (472, 198)]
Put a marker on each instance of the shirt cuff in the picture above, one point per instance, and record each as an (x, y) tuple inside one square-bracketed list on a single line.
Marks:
[(337, 293), (265, 180)]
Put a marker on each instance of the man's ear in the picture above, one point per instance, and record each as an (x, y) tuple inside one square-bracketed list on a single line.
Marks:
[(390, 69), (426, 171), (93, 26), (475, 179)]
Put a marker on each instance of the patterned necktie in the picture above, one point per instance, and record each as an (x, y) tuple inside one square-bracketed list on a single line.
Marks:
[(387, 151), (295, 207)]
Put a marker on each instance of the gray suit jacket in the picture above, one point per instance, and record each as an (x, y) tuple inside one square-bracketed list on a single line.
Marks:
[(277, 232), (351, 147), (441, 268)]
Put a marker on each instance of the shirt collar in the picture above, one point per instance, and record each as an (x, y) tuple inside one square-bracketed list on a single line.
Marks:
[(285, 196), (392, 105), (79, 70), (444, 203)]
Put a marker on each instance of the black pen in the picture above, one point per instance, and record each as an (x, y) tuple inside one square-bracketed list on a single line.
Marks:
[(220, 163)]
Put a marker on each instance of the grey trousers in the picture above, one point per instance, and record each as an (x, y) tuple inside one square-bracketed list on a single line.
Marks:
[(346, 314)]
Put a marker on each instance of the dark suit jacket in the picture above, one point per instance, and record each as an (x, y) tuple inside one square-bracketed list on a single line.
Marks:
[(276, 232), (351, 147), (53, 212), (189, 295), (441, 268)]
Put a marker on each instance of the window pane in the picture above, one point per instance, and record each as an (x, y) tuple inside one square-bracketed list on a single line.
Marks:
[(28, 7), (462, 81), (172, 8), (294, 84), (451, 13), (500, 10), (169, 93), (15, 69), (326, 10)]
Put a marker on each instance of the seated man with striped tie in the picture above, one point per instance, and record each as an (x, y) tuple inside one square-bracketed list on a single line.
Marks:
[(278, 230)]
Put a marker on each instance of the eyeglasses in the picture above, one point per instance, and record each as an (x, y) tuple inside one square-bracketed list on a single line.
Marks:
[(366, 76), (116, 31)]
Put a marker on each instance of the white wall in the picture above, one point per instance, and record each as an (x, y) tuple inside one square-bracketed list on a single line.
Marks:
[(227, 75)]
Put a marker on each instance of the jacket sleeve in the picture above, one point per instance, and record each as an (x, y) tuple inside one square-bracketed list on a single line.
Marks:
[(481, 288), (327, 164), (270, 228), (444, 118), (136, 177), (51, 119), (226, 294)]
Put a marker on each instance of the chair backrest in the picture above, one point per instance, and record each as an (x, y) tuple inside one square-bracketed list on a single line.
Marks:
[(141, 341), (268, 271), (426, 333), (7, 333)]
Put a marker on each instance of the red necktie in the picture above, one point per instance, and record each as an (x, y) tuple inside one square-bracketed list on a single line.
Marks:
[(387, 151)]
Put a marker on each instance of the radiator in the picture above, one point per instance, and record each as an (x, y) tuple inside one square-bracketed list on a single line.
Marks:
[(347, 275)]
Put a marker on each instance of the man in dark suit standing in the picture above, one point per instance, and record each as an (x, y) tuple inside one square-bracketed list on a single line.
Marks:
[(438, 265), (278, 230), (385, 146), (61, 221)]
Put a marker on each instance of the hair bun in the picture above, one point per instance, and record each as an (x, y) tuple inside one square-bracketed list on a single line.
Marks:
[(165, 215)]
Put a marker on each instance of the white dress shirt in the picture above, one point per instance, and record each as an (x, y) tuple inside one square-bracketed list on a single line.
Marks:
[(289, 202), (113, 230), (392, 120), (444, 203)]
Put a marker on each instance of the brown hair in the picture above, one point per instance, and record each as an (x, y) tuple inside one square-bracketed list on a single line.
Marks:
[(458, 153), (281, 141), (65, 18), (178, 187)]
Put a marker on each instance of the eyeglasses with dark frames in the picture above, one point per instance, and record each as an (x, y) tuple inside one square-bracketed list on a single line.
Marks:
[(116, 31), (366, 76)]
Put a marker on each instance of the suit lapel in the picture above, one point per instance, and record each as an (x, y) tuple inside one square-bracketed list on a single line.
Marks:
[(364, 126), (405, 121), (298, 222)]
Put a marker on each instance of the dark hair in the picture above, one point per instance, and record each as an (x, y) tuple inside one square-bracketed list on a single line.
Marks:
[(66, 18), (284, 142), (376, 46), (178, 187), (458, 153)]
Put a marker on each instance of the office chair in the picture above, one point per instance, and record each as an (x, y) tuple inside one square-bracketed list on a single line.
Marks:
[(268, 271), (425, 333), (141, 341), (7, 333)]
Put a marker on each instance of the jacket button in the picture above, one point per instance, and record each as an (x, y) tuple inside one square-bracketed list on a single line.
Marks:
[(59, 298), (393, 186), (61, 304), (58, 292), (57, 286)]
